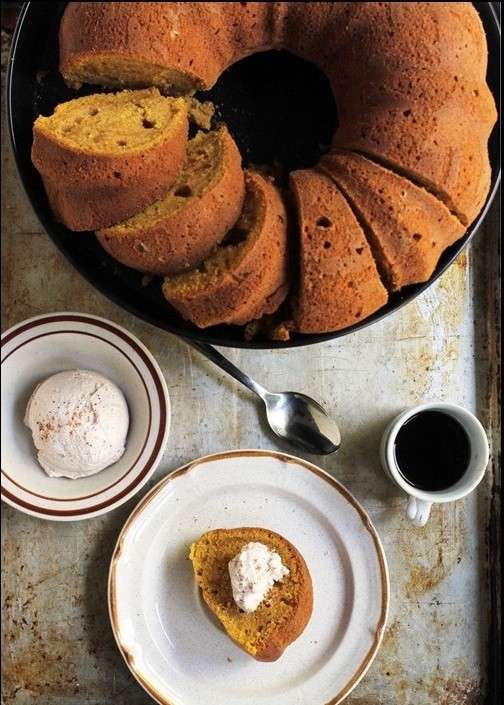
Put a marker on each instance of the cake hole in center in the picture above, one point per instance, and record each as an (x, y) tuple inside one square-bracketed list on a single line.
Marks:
[(279, 109)]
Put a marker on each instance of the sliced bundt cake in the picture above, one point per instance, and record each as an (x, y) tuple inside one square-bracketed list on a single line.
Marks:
[(281, 616), (339, 284), (408, 228), (410, 152), (105, 157), (247, 275), (181, 229)]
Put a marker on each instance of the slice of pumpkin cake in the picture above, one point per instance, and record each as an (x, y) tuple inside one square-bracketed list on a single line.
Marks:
[(339, 283), (247, 275), (105, 157), (180, 230), (258, 586)]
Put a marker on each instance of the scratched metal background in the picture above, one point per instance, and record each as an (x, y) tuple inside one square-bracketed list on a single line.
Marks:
[(440, 645)]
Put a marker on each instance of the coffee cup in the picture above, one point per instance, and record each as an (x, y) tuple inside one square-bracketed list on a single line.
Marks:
[(472, 464)]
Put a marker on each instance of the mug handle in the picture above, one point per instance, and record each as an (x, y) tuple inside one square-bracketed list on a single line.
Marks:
[(418, 511)]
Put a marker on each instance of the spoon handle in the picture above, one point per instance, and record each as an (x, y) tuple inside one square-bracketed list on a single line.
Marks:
[(215, 356)]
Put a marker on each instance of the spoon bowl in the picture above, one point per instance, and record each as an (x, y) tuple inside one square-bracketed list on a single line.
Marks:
[(302, 421), (294, 417)]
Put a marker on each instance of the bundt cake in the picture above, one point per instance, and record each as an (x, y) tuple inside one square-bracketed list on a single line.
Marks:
[(281, 617), (408, 228), (408, 78), (407, 170), (105, 157), (338, 281), (177, 232), (247, 275)]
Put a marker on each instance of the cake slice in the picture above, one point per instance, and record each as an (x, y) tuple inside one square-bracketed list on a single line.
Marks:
[(339, 283), (247, 275), (105, 157), (181, 229), (284, 612), (408, 228)]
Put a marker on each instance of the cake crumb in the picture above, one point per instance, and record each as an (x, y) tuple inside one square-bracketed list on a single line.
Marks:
[(200, 113)]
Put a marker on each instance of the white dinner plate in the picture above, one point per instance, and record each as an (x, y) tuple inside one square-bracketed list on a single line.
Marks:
[(170, 641), (39, 347)]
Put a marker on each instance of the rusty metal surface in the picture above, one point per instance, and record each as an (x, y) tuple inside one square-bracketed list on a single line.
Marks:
[(58, 648)]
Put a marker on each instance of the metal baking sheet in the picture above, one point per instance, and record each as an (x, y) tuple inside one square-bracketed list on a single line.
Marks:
[(441, 644)]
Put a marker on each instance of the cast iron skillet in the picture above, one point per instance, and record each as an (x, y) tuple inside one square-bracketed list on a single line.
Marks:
[(259, 98)]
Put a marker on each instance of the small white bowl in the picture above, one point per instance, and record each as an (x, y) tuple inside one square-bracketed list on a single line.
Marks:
[(42, 346)]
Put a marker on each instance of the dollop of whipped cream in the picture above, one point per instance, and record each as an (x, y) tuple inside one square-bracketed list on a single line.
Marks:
[(79, 422), (253, 572)]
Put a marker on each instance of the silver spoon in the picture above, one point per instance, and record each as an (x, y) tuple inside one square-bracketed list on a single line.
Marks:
[(292, 416)]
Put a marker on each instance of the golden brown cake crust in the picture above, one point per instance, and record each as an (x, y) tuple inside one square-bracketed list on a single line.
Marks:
[(90, 191), (203, 37), (258, 283), (339, 282), (409, 227), (284, 633), (436, 135), (410, 84), (184, 238)]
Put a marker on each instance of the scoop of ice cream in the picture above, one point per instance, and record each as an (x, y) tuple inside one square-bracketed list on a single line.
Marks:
[(253, 572), (79, 421)]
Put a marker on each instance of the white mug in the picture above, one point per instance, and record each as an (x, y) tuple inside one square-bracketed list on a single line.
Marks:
[(420, 501)]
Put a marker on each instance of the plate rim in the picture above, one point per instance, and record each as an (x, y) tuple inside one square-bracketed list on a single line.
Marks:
[(130, 341), (491, 26), (250, 452)]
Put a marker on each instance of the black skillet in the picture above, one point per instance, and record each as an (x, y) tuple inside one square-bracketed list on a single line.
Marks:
[(259, 99)]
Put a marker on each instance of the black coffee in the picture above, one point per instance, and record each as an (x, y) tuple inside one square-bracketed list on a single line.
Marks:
[(432, 451)]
